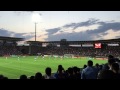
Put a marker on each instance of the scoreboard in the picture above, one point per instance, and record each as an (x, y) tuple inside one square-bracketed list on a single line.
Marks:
[(98, 45)]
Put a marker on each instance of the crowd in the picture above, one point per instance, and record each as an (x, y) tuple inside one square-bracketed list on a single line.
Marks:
[(82, 51), (9, 50), (110, 70)]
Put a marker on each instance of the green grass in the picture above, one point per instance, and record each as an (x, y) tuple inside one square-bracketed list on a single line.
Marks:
[(13, 68)]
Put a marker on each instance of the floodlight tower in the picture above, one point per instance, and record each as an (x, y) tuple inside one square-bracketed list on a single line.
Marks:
[(35, 29), (36, 18)]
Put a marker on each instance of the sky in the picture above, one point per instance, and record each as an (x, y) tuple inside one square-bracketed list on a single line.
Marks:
[(57, 25)]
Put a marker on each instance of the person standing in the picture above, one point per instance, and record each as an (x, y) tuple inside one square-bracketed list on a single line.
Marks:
[(89, 72)]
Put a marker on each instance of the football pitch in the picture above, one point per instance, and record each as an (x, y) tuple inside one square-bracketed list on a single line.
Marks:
[(13, 67)]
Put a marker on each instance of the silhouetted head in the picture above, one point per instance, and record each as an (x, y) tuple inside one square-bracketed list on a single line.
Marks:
[(75, 69), (38, 75), (5, 78), (32, 77), (48, 71), (85, 66), (97, 65), (60, 68), (110, 57), (90, 63), (70, 70), (111, 61), (1, 77), (23, 77)]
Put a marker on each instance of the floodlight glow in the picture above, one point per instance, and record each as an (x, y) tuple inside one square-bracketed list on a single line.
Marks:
[(36, 17)]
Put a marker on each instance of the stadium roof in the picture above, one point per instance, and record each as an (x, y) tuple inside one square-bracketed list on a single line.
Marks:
[(33, 42), (11, 38), (72, 42)]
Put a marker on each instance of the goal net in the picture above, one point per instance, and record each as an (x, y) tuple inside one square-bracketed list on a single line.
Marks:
[(68, 55)]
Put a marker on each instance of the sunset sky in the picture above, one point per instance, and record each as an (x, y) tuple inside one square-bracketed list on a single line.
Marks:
[(56, 25)]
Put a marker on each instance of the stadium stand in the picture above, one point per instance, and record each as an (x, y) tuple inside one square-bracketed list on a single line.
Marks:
[(72, 49)]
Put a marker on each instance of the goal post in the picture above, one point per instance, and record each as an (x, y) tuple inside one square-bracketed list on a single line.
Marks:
[(68, 55)]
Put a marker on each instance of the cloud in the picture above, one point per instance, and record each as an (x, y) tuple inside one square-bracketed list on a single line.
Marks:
[(86, 23), (8, 33), (111, 34), (93, 29), (24, 35), (105, 33), (117, 37), (52, 31), (115, 26), (40, 36), (70, 37)]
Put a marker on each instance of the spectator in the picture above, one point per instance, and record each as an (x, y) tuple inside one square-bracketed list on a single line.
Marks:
[(110, 62), (115, 69), (48, 73), (84, 66), (97, 67), (89, 72), (70, 73), (106, 74), (60, 74), (38, 75), (1, 77), (32, 77), (23, 77), (76, 73)]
